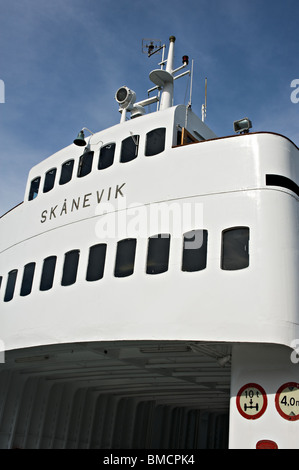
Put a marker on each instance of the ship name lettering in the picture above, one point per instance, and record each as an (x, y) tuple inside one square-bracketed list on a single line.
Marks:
[(99, 198), (86, 200), (82, 202), (52, 212), (118, 190), (63, 210)]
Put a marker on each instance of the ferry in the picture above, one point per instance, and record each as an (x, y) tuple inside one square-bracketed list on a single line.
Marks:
[(149, 285)]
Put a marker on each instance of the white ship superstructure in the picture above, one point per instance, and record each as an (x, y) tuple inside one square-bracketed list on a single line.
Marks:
[(149, 287)]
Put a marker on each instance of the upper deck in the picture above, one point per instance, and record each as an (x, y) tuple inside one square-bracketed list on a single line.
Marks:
[(57, 251)]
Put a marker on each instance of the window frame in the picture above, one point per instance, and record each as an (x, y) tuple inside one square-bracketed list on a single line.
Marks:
[(110, 160), (136, 141), (85, 164), (49, 180), (96, 262), (69, 174), (194, 259), (228, 247), (27, 280), (70, 267), (48, 273), (125, 258), (151, 135), (10, 285), (162, 265), (33, 191)]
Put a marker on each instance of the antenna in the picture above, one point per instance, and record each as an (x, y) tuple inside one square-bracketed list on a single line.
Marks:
[(204, 106), (151, 46), (191, 84)]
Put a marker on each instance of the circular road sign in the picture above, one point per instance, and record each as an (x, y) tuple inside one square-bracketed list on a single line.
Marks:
[(252, 401), (287, 401)]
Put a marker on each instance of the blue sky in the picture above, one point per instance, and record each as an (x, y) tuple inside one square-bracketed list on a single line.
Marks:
[(61, 62)]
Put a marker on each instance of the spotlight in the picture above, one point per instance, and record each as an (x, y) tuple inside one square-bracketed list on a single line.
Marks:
[(125, 97), (242, 126)]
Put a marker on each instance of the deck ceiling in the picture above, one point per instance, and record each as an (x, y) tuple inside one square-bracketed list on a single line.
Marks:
[(184, 374)]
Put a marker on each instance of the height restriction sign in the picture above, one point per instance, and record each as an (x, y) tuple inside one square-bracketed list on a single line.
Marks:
[(251, 401), (287, 401)]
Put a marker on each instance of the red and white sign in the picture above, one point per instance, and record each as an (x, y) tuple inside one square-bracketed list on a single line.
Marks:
[(252, 401), (287, 401), (266, 444)]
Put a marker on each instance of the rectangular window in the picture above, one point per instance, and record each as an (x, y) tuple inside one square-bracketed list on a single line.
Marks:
[(85, 164), (10, 286), (125, 257), (158, 254), (48, 272), (66, 172), (96, 262), (70, 268), (129, 148), (27, 279), (235, 248), (155, 142), (34, 187), (195, 250), (49, 180), (106, 156)]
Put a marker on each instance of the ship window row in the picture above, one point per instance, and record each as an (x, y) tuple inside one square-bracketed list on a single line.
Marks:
[(234, 256), (154, 144)]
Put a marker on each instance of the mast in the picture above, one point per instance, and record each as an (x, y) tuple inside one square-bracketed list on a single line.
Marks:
[(164, 78), (167, 95)]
